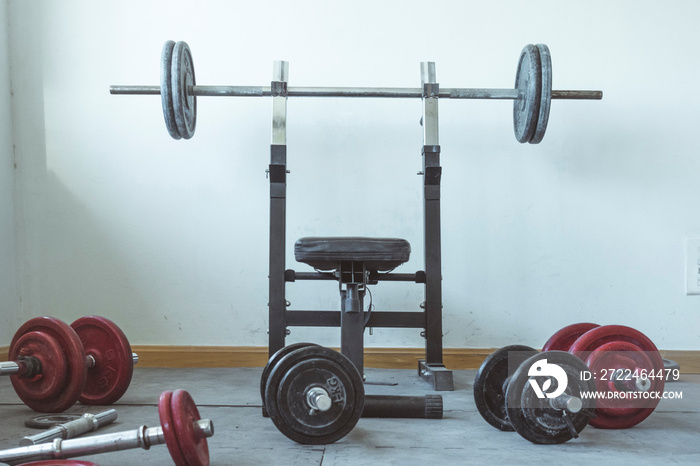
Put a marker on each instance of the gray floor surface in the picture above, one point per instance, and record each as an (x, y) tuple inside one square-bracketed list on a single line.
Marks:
[(230, 397)]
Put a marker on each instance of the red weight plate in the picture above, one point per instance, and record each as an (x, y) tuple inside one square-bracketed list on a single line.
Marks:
[(610, 338), (193, 445), (168, 426), (621, 413), (60, 463), (564, 338), (50, 382), (111, 375), (75, 369)]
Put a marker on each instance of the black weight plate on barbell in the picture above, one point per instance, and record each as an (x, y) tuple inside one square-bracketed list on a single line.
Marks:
[(274, 359), (528, 82), (294, 375), (534, 418), (184, 104), (166, 90), (46, 421), (490, 381), (546, 93)]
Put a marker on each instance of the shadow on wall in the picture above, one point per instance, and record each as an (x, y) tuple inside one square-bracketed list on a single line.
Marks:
[(79, 270), (159, 285)]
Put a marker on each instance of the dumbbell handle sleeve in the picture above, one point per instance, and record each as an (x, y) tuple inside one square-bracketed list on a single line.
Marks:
[(87, 423), (143, 437), (9, 367), (91, 360)]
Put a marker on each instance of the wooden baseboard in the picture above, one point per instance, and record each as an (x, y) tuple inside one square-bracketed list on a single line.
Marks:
[(385, 358)]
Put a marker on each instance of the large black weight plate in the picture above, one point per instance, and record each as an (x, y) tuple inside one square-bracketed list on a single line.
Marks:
[(272, 362), (490, 381), (294, 375), (528, 82), (546, 94), (534, 418), (166, 90), (184, 104)]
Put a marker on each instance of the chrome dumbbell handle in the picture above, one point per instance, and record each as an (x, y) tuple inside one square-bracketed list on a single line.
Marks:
[(91, 360), (143, 437), (87, 423), (566, 402)]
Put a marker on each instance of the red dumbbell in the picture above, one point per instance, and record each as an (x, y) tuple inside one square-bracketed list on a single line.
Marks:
[(181, 429), (53, 365), (622, 361)]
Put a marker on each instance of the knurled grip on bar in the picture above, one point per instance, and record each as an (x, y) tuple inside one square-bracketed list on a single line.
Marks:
[(87, 423)]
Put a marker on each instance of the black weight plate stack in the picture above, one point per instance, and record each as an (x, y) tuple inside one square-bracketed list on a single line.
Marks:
[(298, 372), (182, 76), (166, 90), (534, 418), (528, 82), (490, 383), (272, 362)]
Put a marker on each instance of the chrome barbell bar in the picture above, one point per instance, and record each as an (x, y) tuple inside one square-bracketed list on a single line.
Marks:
[(381, 92)]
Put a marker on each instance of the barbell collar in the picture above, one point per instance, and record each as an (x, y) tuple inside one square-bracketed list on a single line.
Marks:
[(370, 92), (25, 366)]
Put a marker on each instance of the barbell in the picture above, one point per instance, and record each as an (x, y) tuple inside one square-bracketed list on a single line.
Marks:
[(532, 93)]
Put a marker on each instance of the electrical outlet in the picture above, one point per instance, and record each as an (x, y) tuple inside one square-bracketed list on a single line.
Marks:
[(692, 266)]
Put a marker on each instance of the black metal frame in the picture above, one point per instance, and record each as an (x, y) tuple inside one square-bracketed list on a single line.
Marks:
[(351, 318)]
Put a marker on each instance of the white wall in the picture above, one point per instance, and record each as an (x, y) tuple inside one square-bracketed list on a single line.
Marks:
[(9, 297), (169, 238)]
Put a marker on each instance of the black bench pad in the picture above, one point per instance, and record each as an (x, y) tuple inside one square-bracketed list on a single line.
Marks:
[(326, 253)]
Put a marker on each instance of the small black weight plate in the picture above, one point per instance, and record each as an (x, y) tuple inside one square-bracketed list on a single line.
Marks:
[(490, 381), (528, 82), (534, 418), (46, 421), (306, 368), (184, 104), (546, 94), (166, 90), (274, 360)]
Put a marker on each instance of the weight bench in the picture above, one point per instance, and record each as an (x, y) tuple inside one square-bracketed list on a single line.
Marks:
[(356, 262)]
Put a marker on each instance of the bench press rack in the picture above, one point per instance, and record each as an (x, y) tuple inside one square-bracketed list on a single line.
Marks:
[(431, 368), (355, 265)]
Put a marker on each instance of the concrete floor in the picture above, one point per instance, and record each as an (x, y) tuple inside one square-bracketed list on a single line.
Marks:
[(230, 397)]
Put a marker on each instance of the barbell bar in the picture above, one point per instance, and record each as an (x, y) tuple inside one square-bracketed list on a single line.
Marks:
[(380, 92), (532, 93)]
